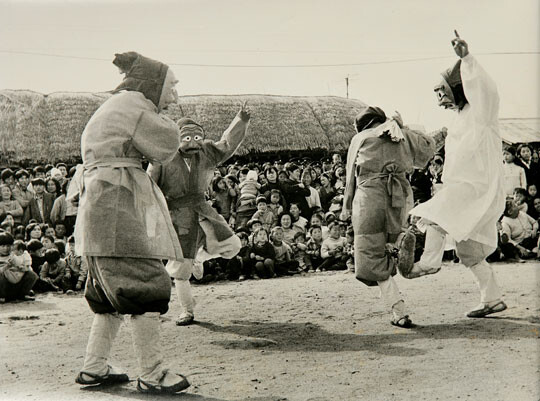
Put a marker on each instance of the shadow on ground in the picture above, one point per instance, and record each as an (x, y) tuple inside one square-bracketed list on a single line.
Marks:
[(130, 392), (308, 337)]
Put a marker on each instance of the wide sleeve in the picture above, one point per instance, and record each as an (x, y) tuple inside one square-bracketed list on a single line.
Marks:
[(154, 171), (350, 177), (58, 211), (422, 147), (231, 139), (156, 137), (480, 90)]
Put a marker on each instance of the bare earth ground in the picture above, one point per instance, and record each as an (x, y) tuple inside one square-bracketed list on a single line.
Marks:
[(321, 336)]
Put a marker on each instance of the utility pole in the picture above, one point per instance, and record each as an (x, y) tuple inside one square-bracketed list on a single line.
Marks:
[(347, 84)]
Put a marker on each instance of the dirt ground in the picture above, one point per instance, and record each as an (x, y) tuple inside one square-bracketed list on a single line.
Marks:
[(321, 336)]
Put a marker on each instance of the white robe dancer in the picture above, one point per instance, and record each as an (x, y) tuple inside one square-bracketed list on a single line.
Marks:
[(472, 197)]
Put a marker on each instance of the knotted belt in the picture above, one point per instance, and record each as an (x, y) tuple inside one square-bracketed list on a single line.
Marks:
[(114, 162), (111, 162), (394, 182)]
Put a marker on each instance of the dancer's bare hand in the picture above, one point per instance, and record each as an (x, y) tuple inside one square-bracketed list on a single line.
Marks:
[(460, 46), (345, 215), (398, 119), (245, 112)]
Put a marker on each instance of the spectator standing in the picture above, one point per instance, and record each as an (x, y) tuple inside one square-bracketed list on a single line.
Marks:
[(39, 208), (514, 174), (524, 159)]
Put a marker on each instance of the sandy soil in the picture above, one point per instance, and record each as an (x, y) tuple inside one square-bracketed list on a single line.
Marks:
[(321, 336)]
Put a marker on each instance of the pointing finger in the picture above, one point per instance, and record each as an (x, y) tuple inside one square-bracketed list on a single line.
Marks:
[(457, 34)]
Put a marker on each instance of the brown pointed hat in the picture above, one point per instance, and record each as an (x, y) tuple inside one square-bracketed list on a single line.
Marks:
[(142, 75), (368, 116)]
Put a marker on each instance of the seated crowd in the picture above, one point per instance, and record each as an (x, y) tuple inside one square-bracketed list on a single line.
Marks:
[(286, 215)]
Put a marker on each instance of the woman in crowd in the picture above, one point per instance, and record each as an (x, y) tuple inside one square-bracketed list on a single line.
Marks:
[(8, 204), (53, 187)]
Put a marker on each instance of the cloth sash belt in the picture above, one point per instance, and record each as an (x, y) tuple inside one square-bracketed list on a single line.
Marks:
[(114, 162), (111, 162), (394, 183)]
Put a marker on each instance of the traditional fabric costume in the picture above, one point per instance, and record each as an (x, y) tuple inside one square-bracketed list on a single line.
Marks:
[(379, 195), (472, 196), (123, 227), (202, 231)]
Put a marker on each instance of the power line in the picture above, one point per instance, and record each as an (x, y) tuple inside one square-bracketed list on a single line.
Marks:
[(274, 65)]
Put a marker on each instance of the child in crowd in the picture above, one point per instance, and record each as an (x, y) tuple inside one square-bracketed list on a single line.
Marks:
[(299, 223), (53, 272), (349, 249), (35, 249), (329, 218), (61, 246), (536, 206), (265, 215), (275, 204), (20, 255), (223, 196), (317, 219), (285, 222), (342, 228), (19, 233), (519, 232), (49, 231), (313, 247), (520, 198), (284, 262), (299, 248), (240, 267), (7, 227), (249, 189), (77, 268), (253, 225), (333, 250), (262, 254), (335, 205), (48, 242), (9, 219), (60, 231), (532, 192), (16, 275), (246, 208)]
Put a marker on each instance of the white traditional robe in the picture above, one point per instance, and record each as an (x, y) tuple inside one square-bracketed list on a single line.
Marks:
[(472, 197)]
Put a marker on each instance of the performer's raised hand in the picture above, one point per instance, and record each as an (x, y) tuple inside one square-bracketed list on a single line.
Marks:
[(245, 112), (460, 46), (345, 215), (398, 119)]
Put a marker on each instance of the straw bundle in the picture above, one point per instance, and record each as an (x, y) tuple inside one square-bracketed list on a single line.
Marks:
[(47, 128)]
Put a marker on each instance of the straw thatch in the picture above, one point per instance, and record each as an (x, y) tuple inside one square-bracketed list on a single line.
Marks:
[(47, 128)]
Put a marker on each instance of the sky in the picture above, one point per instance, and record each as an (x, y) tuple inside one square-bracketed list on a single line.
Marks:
[(392, 51)]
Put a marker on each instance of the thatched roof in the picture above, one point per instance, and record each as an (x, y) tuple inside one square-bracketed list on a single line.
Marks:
[(36, 127), (520, 130)]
